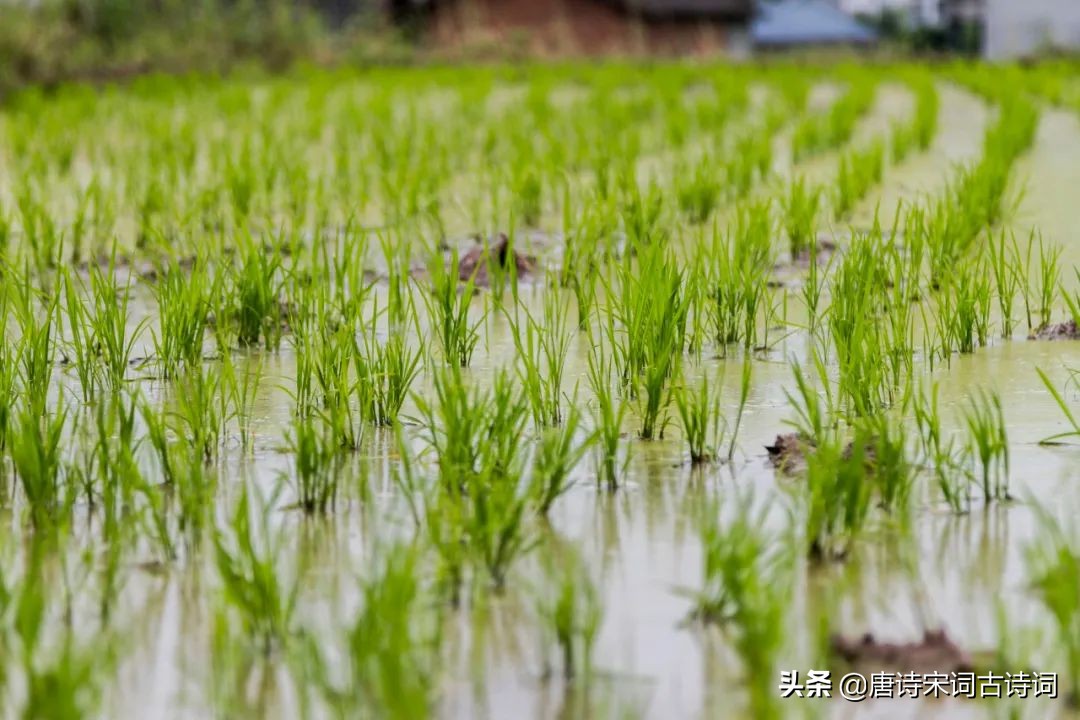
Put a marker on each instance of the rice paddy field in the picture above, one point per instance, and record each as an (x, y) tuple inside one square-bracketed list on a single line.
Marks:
[(567, 391)]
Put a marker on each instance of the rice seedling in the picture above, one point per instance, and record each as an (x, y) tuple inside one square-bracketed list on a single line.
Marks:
[(9, 372), (108, 322), (184, 302), (749, 162), (202, 410), (988, 444), (476, 437), (316, 466), (858, 172), (80, 349), (35, 444), (1039, 291), (890, 471), (744, 396), (839, 494), (813, 416), (528, 189), (940, 454), (925, 122), (858, 337), (1059, 399), (391, 646), (113, 466), (1007, 282), (738, 267), (324, 385), (901, 141), (800, 216), (542, 349), (570, 609), (448, 311), (37, 343), (608, 411), (641, 215), (247, 557), (498, 529), (64, 676), (182, 472), (703, 423), (557, 453), (1053, 570), (652, 312), (385, 371), (746, 586), (240, 390), (699, 191), (964, 305), (254, 292), (455, 425)]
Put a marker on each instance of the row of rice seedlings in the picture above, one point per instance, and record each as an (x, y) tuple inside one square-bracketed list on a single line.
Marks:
[(919, 132), (857, 173), (976, 197), (834, 128), (710, 179), (400, 166)]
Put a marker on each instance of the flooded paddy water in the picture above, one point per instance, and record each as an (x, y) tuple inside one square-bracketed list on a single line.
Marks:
[(270, 452)]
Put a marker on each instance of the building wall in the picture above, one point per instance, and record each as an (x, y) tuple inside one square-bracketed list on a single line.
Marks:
[(1019, 28), (568, 27)]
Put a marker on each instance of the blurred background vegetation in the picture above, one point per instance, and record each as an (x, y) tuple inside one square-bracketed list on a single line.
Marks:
[(46, 42)]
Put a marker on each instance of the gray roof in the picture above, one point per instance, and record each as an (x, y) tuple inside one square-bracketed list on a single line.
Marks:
[(806, 22)]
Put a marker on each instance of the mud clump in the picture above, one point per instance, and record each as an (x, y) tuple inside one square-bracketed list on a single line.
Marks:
[(935, 653), (474, 263), (788, 452), (1057, 331)]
